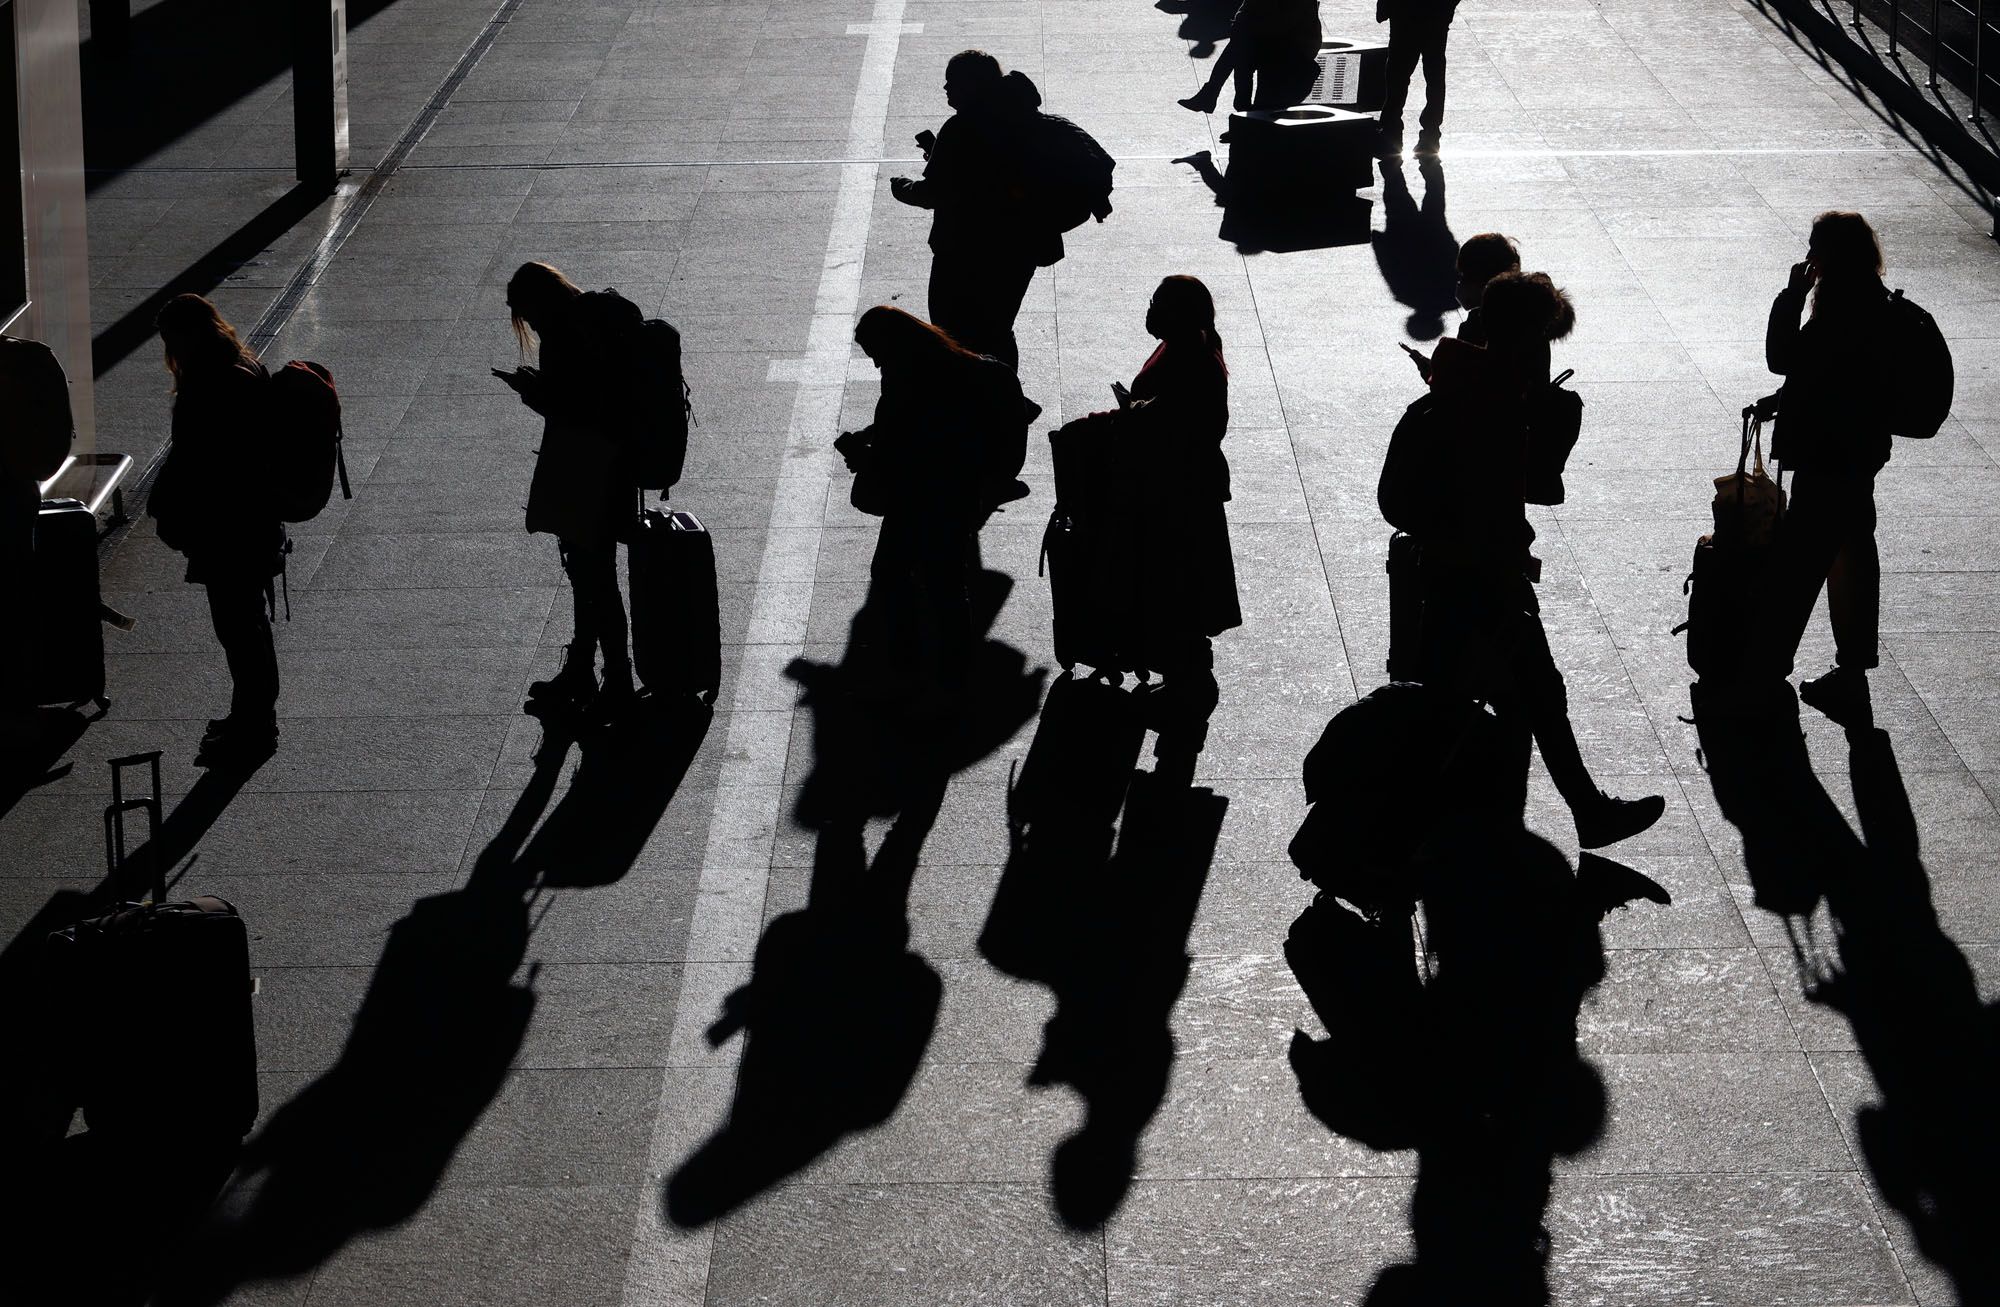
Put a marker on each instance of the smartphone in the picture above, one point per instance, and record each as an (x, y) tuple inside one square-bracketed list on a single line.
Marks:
[(1122, 395), (926, 140)]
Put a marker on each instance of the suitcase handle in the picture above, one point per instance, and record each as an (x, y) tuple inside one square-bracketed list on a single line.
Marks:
[(115, 849)]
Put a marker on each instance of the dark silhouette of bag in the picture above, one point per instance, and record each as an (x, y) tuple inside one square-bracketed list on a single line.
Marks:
[(676, 615), (1087, 548), (34, 394), (65, 623), (659, 408), (306, 452), (1555, 421), (1922, 386), (1723, 583), (1403, 492), (1405, 565), (1071, 171), (159, 1031)]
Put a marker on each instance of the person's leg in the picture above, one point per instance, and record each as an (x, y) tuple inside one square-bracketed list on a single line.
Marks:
[(1803, 556), (1854, 584), (1405, 50), (1437, 31), (593, 574), (1008, 287), (242, 621), (1203, 101), (950, 295)]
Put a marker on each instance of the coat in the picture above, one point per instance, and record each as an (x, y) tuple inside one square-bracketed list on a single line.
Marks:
[(207, 501), (978, 181), (1174, 432), (920, 464), (583, 488), (1837, 366)]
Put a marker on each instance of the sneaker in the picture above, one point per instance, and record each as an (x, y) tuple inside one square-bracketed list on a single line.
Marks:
[(575, 681), (238, 745), (1200, 102), (1605, 820), (1389, 145), (1427, 142), (1842, 694)]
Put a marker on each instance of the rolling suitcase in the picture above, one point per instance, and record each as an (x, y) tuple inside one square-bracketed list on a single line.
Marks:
[(1083, 633), (158, 1034), (1406, 607), (676, 612), (66, 649)]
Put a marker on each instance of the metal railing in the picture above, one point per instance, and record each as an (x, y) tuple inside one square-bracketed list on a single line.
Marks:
[(1954, 37)]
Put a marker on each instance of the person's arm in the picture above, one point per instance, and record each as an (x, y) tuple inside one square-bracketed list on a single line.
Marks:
[(1781, 331), (940, 169)]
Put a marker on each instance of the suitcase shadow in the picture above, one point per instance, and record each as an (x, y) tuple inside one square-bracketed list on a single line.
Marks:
[(839, 1008), (1096, 902)]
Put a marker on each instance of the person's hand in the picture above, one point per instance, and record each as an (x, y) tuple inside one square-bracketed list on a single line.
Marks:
[(899, 187), (1804, 274), (1421, 359), (513, 378)]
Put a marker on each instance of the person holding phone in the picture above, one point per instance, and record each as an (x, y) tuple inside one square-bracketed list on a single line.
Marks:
[(1481, 258), (1833, 434)]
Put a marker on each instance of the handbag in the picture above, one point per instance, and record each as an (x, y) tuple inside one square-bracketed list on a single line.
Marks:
[(1749, 505)]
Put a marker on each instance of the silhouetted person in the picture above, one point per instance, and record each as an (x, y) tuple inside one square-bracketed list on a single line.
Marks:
[(34, 394), (1482, 622), (1480, 259), (1416, 250), (208, 505), (1418, 31), (582, 491), (920, 467), (1179, 414), (985, 240), (1276, 42), (1833, 433)]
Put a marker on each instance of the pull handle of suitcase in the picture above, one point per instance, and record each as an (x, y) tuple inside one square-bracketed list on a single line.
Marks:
[(116, 852)]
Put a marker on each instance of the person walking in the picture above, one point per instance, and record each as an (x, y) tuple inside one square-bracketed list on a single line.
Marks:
[(920, 467), (583, 488), (1178, 414), (208, 506), (986, 241), (1418, 31), (1276, 42), (1833, 433), (1483, 631)]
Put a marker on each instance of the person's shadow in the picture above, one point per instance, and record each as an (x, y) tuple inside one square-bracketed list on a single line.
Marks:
[(1931, 1138), (1099, 910), (1204, 22), (1262, 214), (1469, 1059), (1415, 249), (365, 1145), (839, 1008)]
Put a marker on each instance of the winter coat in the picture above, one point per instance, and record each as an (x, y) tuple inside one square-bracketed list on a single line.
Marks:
[(583, 489), (208, 501), (1173, 437), (1837, 367)]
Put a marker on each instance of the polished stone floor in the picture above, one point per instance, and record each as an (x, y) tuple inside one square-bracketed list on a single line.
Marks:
[(474, 1097)]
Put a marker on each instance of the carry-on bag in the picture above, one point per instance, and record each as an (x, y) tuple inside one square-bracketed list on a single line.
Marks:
[(65, 624), (1084, 632), (1723, 585), (156, 1032), (676, 613), (1405, 565)]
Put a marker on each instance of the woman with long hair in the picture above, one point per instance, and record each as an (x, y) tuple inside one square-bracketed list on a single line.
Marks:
[(1177, 413), (580, 492), (1482, 624), (208, 506), (1833, 435)]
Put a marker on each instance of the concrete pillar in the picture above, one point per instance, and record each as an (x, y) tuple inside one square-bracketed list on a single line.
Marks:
[(319, 90)]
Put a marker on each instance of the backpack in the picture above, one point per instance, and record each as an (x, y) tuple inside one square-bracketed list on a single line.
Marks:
[(658, 409), (305, 413), (1072, 173), (34, 395), (1402, 492), (1555, 421), (1922, 387)]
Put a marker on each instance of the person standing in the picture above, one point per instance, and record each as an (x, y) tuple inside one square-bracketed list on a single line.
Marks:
[(583, 488), (34, 394), (1418, 31), (1276, 42), (1483, 633), (208, 506), (985, 239), (1834, 435)]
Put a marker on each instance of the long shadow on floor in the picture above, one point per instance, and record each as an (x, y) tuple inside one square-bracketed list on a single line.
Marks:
[(1931, 1137), (1415, 249), (1262, 214), (447, 1011), (1099, 911), (1204, 22), (839, 1008), (1475, 1064)]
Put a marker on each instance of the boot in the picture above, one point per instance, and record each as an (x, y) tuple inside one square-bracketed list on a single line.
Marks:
[(1605, 820), (1842, 694)]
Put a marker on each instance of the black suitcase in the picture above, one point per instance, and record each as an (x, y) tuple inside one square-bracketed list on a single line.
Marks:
[(66, 649), (1082, 633), (676, 611), (1406, 607), (156, 1032)]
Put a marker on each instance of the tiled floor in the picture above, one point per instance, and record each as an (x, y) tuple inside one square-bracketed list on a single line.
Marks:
[(483, 1099)]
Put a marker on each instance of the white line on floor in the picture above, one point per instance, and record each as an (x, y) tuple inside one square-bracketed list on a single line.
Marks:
[(669, 1266)]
